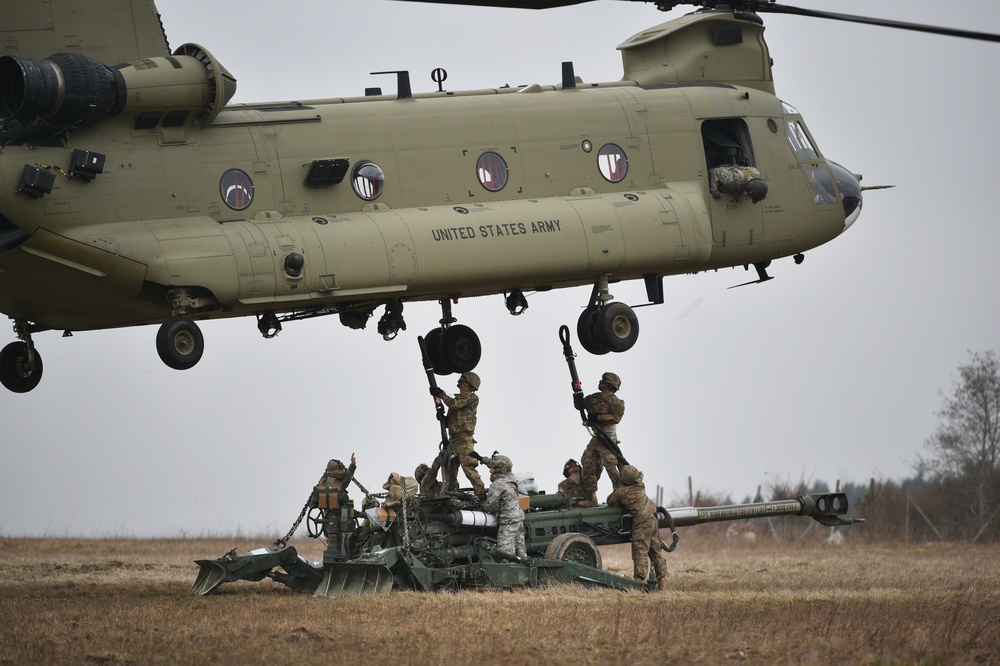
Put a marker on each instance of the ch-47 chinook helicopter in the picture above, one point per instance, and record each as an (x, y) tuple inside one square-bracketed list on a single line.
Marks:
[(131, 194)]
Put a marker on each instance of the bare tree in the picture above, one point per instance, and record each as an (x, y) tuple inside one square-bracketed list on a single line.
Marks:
[(966, 446)]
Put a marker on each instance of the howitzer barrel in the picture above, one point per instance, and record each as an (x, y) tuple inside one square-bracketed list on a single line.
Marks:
[(827, 508)]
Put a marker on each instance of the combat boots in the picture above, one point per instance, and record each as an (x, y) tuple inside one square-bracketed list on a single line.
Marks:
[(661, 583)]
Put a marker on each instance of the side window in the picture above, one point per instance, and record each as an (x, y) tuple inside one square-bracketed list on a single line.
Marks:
[(491, 169), (727, 143), (368, 180), (612, 163)]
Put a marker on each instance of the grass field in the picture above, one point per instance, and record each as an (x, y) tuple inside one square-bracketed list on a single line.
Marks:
[(127, 602)]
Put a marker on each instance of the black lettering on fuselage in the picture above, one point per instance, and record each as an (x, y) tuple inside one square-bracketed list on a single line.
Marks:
[(544, 226), (500, 230), (453, 233)]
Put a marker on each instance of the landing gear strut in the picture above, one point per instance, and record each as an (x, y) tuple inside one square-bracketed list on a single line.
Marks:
[(452, 348), (605, 325), (20, 363)]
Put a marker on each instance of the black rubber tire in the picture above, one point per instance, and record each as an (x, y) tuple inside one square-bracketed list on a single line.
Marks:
[(460, 348), (432, 341), (179, 343), (15, 374), (574, 547), (617, 327), (585, 332)]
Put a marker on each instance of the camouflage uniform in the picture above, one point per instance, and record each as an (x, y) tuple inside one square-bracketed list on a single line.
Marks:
[(427, 478), (730, 179), (646, 543), (502, 500), (609, 409), (461, 427), (399, 487), (576, 492), (336, 477)]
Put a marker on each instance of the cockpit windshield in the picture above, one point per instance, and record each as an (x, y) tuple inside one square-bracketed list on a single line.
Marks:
[(799, 139)]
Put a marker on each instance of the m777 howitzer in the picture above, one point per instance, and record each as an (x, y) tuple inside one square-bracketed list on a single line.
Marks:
[(448, 542)]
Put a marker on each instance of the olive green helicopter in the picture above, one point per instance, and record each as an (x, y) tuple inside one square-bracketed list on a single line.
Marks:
[(135, 194)]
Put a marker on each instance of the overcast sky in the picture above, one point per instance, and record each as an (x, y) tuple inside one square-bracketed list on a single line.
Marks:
[(833, 370)]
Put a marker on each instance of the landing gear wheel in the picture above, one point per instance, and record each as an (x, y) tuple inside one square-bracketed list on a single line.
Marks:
[(433, 343), (617, 327), (574, 547), (585, 331), (17, 373), (460, 348), (179, 343)]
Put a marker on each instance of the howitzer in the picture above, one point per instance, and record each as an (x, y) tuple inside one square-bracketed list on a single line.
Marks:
[(578, 391), (445, 453), (448, 542)]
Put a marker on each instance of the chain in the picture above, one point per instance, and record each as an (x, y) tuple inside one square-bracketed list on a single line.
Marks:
[(283, 541)]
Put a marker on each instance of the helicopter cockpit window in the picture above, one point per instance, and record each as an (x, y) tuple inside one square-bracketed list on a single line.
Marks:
[(492, 171), (612, 162), (800, 141), (368, 180), (821, 182)]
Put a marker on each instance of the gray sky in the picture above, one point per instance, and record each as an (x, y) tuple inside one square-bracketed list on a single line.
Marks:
[(830, 371)]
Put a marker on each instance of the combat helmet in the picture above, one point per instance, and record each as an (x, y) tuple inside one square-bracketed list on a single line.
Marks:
[(470, 378), (570, 463), (631, 475), (757, 189), (613, 380), (420, 471), (501, 464)]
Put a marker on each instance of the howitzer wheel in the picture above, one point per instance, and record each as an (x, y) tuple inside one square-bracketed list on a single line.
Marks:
[(574, 547)]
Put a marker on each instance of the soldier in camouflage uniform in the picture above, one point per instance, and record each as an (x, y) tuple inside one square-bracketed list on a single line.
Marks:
[(427, 478), (461, 428), (336, 477), (572, 486), (605, 411), (736, 179), (400, 488), (502, 500), (646, 544)]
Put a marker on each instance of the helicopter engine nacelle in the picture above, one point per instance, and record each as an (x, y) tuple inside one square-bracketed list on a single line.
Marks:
[(72, 89)]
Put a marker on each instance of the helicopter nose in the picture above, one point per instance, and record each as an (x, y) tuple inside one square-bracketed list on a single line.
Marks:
[(850, 193)]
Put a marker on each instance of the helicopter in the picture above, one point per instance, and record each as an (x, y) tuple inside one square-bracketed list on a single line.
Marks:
[(136, 194)]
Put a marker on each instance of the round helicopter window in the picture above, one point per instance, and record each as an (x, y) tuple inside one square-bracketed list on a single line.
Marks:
[(492, 171), (236, 189), (612, 163), (368, 180)]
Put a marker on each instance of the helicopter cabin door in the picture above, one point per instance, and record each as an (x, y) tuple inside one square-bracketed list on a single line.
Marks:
[(735, 220)]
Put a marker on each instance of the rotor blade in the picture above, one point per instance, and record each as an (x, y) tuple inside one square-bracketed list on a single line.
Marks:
[(935, 30), (508, 4), (736, 5)]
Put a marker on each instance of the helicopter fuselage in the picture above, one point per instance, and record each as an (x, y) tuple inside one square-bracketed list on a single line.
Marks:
[(143, 197)]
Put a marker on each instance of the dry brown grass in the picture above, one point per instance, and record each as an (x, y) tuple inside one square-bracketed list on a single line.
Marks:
[(118, 602)]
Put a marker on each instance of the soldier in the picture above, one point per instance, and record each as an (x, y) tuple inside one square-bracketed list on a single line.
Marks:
[(735, 179), (605, 410), (646, 544), (400, 488), (461, 428), (336, 477), (427, 478), (502, 500), (573, 488)]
